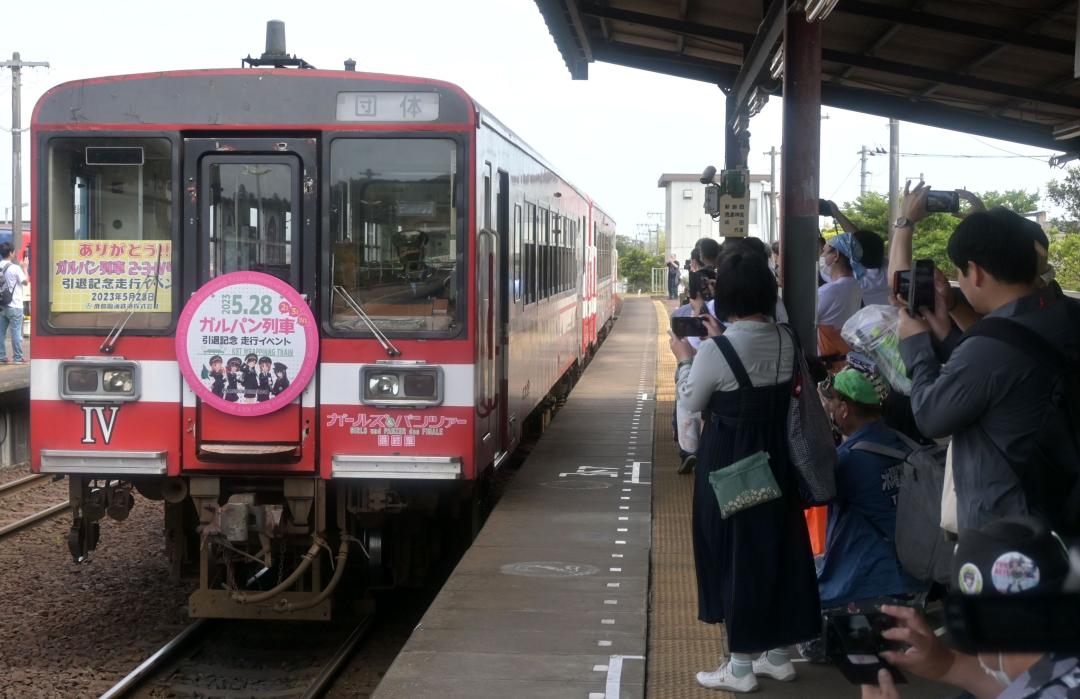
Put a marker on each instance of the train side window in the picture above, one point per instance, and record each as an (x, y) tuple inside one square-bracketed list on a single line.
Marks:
[(515, 252)]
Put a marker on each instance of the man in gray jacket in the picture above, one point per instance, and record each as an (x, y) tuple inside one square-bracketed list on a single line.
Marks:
[(1013, 451)]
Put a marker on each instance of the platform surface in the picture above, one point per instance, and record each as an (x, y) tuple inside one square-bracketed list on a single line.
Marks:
[(551, 599)]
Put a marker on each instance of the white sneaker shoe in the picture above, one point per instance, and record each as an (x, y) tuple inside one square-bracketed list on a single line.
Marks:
[(721, 678), (784, 672)]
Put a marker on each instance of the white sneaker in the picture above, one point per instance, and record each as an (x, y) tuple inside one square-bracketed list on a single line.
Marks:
[(721, 678), (784, 672)]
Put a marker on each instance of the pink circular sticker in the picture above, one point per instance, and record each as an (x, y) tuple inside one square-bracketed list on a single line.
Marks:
[(247, 343)]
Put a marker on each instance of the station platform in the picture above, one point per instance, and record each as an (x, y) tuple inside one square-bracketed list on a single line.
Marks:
[(581, 583)]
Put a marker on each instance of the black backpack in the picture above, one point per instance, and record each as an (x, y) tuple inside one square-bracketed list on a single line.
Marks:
[(921, 547), (7, 291), (1051, 478)]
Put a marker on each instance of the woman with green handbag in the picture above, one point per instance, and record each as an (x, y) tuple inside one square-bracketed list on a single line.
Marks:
[(755, 570)]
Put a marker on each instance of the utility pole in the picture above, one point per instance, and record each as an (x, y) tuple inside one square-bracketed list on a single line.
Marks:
[(16, 64), (772, 193), (864, 174), (894, 173)]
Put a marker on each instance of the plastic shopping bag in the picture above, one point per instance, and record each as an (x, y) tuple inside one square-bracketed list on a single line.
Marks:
[(874, 331), (688, 427)]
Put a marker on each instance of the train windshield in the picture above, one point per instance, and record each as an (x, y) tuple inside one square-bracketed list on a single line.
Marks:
[(109, 233), (396, 246)]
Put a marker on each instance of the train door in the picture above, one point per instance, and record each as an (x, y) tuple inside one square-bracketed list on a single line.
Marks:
[(250, 206), (487, 325), (502, 351)]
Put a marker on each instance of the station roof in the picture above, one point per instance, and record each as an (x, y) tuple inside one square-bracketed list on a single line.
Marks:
[(997, 68)]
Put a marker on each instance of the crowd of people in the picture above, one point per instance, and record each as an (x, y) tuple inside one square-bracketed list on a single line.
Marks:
[(992, 371)]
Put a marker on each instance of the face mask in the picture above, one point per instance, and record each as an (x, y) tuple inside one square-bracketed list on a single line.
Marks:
[(825, 269), (997, 675), (1048, 275)]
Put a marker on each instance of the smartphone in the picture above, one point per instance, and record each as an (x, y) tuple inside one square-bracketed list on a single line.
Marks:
[(901, 283), (853, 641), (921, 288), (1014, 623), (942, 201), (688, 326)]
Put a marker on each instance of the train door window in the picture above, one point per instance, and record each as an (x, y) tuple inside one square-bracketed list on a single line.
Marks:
[(545, 229), (515, 252), (529, 273), (486, 223), (556, 235), (250, 218), (110, 206), (562, 253)]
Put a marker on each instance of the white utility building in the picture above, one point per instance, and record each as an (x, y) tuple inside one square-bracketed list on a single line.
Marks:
[(684, 202)]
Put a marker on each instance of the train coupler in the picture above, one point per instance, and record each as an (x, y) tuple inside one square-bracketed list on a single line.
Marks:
[(82, 538)]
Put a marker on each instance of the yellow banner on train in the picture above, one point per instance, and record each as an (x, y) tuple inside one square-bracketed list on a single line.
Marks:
[(106, 276)]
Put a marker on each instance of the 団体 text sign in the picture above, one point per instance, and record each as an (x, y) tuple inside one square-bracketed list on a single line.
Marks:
[(247, 343), (388, 106), (103, 276)]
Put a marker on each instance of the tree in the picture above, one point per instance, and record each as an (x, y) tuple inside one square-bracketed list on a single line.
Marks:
[(1019, 200), (1065, 257), (1066, 193), (636, 266)]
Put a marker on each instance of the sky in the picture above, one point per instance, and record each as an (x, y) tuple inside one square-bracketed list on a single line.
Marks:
[(612, 135)]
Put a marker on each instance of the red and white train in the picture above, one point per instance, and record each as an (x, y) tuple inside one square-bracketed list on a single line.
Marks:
[(454, 279)]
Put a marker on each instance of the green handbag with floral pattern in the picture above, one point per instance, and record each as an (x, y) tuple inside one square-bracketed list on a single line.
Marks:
[(743, 484)]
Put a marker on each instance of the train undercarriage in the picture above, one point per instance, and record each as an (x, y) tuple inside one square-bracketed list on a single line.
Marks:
[(280, 548)]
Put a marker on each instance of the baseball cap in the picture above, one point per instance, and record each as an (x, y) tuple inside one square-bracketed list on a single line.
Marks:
[(856, 385)]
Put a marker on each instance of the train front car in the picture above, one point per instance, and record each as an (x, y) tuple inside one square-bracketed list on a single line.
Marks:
[(254, 301)]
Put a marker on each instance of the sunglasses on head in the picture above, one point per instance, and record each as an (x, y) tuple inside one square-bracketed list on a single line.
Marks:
[(825, 388)]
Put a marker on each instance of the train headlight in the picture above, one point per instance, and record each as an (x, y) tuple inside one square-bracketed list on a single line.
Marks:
[(383, 386), (401, 385), (99, 380), (118, 381)]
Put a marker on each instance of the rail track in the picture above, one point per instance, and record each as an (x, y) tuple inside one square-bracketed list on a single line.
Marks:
[(168, 669), (20, 483), (23, 483), (30, 520)]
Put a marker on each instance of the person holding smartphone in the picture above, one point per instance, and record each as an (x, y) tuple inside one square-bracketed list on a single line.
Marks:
[(699, 289), (755, 570), (1002, 404), (1014, 557)]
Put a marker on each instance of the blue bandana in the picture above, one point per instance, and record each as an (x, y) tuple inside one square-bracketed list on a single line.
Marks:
[(846, 245)]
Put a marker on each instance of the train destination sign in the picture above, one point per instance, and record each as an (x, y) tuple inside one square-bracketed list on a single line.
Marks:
[(108, 276), (247, 343), (388, 106)]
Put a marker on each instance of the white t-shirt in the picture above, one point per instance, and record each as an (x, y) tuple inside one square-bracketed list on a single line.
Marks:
[(837, 301), (876, 290), (14, 276)]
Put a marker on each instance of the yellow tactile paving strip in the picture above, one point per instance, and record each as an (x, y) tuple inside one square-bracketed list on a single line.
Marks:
[(679, 645)]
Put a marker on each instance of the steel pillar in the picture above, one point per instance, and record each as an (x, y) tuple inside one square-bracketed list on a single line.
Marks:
[(799, 173), (732, 146)]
